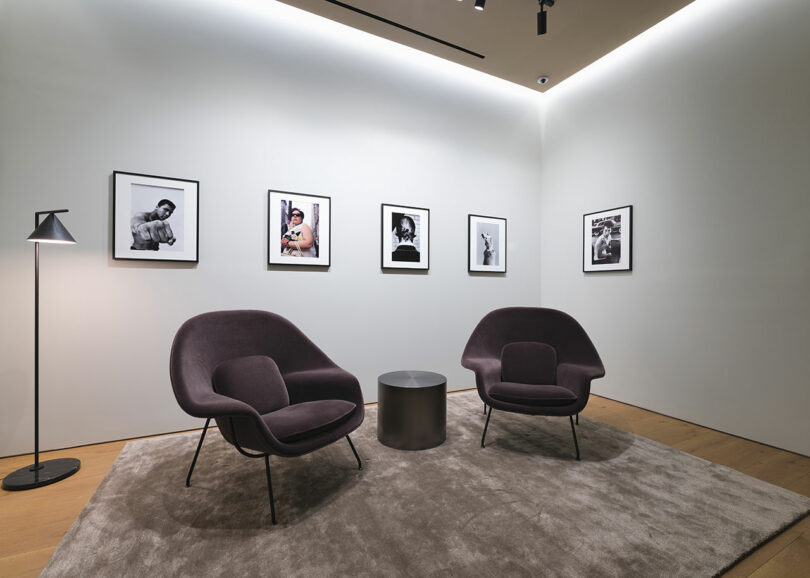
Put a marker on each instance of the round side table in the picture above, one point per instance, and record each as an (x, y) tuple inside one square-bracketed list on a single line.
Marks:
[(411, 409)]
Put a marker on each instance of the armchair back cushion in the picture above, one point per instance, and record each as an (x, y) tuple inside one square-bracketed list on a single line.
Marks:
[(253, 379), (529, 362)]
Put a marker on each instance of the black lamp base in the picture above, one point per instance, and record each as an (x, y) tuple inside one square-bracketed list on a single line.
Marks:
[(49, 472)]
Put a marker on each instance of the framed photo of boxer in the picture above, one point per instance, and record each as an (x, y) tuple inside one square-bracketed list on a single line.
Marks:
[(299, 229), (155, 218), (486, 244), (607, 240), (405, 237)]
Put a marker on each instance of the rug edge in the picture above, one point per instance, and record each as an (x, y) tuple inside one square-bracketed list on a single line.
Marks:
[(799, 518)]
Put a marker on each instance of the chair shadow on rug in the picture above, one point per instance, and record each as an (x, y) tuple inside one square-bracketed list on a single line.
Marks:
[(548, 438), (532, 361), (269, 388), (305, 487)]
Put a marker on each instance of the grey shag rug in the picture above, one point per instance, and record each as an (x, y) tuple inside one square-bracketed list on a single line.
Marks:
[(522, 506)]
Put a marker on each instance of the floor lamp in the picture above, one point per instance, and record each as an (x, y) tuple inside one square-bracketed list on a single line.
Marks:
[(42, 473)]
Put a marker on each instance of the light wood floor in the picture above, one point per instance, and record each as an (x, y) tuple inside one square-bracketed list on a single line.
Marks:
[(33, 522)]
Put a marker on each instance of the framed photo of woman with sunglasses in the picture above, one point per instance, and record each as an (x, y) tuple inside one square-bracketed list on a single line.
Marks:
[(298, 229)]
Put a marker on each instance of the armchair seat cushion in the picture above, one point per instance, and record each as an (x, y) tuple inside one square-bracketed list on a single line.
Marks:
[(302, 420), (531, 394)]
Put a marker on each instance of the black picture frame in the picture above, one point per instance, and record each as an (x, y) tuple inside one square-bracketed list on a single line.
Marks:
[(317, 211), (404, 237), (142, 232), (486, 244), (607, 240)]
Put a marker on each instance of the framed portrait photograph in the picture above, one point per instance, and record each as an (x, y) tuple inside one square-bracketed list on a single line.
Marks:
[(486, 244), (155, 218), (298, 229), (405, 237), (607, 240)]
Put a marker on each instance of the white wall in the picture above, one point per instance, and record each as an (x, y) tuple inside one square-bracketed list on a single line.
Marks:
[(703, 125), (243, 96)]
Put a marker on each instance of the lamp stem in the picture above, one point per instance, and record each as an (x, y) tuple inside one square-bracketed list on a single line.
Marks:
[(36, 354), (36, 467)]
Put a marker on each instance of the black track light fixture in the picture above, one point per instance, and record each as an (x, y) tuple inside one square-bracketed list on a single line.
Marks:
[(479, 4), (541, 16)]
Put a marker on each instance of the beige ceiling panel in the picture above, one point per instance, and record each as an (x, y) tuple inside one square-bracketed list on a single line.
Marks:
[(505, 33)]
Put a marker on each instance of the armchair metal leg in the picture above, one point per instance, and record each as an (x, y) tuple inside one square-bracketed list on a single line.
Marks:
[(577, 419), (574, 431), (359, 463), (270, 488), (489, 415), (197, 453), (485, 408)]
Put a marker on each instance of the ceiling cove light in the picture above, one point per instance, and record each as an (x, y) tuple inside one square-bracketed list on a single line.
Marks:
[(690, 19), (276, 17), (479, 4)]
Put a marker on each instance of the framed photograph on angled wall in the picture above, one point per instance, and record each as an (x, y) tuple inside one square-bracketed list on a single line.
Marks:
[(299, 229), (155, 218), (405, 237), (486, 244), (607, 240)]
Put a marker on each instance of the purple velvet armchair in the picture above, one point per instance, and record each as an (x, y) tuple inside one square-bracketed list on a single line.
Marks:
[(269, 388), (533, 361)]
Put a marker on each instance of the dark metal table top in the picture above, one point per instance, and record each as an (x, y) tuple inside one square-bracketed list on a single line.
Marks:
[(412, 379)]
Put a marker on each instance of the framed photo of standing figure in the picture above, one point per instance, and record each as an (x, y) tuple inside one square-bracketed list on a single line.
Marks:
[(607, 240), (486, 244), (299, 229), (405, 237), (155, 218)]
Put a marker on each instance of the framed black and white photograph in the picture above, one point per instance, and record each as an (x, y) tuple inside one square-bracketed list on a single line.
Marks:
[(298, 229), (486, 244), (155, 218), (607, 240), (405, 237)]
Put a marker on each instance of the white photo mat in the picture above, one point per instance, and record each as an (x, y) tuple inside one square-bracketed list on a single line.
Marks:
[(135, 194), (486, 244), (607, 240), (411, 251), (279, 204)]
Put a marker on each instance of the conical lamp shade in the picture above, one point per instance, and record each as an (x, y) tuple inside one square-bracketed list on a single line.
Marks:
[(51, 230)]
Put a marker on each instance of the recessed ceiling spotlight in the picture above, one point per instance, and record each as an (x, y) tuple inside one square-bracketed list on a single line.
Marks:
[(479, 4), (542, 80)]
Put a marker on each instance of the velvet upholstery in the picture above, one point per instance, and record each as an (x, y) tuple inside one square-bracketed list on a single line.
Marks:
[(254, 379), (529, 362), (532, 394), (512, 334), (222, 347), (308, 418)]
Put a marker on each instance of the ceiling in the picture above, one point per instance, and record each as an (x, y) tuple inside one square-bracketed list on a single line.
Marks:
[(505, 32)]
